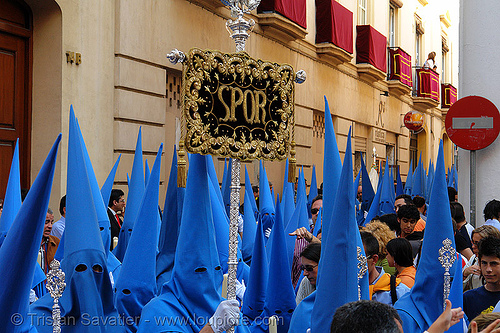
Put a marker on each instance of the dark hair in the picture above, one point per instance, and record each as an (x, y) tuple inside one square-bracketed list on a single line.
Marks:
[(365, 317), (391, 220), (492, 210), (407, 198), (409, 211), (400, 249), (312, 252), (418, 201), (316, 198), (452, 193), (255, 188), (489, 246), (457, 212), (115, 196), (62, 205), (370, 243)]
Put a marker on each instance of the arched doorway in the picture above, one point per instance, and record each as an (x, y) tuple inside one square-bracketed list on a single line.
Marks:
[(15, 88)]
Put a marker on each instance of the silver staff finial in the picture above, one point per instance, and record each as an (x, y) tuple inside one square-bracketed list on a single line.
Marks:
[(55, 286), (176, 56)]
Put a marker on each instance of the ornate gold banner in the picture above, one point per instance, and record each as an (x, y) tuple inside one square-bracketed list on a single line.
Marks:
[(236, 106)]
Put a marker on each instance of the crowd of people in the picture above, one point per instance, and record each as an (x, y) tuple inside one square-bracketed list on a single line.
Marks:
[(327, 261)]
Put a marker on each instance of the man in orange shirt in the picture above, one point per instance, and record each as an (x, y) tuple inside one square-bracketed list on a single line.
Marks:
[(405, 199)]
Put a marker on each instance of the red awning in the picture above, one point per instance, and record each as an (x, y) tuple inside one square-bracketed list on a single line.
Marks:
[(371, 47), (334, 24), (448, 95), (295, 10)]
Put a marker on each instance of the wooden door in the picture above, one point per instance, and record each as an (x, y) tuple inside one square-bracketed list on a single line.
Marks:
[(15, 89)]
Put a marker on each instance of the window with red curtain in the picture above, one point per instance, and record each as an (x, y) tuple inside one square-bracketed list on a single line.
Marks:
[(448, 95), (400, 66), (295, 10), (371, 47), (334, 24), (428, 83)]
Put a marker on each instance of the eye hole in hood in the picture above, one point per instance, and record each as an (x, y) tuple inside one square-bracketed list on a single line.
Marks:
[(200, 269), (81, 268), (97, 268)]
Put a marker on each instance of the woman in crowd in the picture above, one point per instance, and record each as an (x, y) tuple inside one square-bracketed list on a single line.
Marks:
[(309, 258), (399, 255), (383, 234)]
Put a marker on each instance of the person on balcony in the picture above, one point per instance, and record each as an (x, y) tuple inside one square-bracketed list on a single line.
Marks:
[(430, 62)]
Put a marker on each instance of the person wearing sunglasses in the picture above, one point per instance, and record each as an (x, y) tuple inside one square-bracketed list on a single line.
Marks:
[(309, 259)]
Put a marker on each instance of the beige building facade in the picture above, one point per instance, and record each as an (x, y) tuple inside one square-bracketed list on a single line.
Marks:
[(108, 59)]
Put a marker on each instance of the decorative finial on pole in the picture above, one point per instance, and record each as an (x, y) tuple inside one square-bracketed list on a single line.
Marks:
[(239, 29), (176, 56), (55, 286)]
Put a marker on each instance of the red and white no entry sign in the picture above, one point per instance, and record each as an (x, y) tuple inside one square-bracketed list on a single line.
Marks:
[(473, 122)]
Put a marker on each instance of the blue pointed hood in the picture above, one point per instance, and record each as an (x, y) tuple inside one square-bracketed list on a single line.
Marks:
[(375, 206), (288, 203), (356, 183), (196, 263), (280, 296), (313, 189), (88, 287), (332, 167), (266, 202), (409, 179), (249, 191), (249, 229), (418, 187), (299, 219), (226, 187), (135, 192), (366, 184), (136, 285), (285, 177), (455, 177), (28, 225), (108, 183), (255, 295), (338, 260), (147, 172), (12, 201), (399, 184), (386, 203), (424, 303), (213, 178), (301, 188), (169, 231), (430, 181)]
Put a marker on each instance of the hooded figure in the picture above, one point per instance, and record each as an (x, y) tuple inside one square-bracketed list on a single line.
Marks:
[(266, 202), (136, 285), (249, 191), (409, 179), (108, 183), (169, 230), (12, 201), (425, 302), (399, 184), (135, 192), (280, 296), (20, 257), (337, 281), (249, 228), (114, 265), (313, 191), (255, 295), (87, 301), (332, 167), (191, 296)]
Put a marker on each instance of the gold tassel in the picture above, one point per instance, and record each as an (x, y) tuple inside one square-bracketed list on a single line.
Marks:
[(181, 165), (292, 162)]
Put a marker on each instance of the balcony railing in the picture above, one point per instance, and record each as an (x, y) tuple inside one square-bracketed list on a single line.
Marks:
[(426, 83), (399, 66), (448, 95)]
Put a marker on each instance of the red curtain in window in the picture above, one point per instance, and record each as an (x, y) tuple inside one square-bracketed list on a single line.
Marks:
[(448, 95), (334, 24), (428, 84), (400, 66), (370, 47), (295, 10)]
